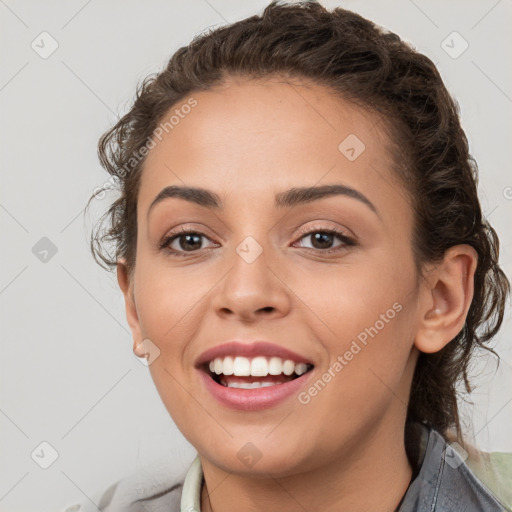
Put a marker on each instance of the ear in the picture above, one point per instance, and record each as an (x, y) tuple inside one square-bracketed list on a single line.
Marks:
[(125, 282), (446, 298)]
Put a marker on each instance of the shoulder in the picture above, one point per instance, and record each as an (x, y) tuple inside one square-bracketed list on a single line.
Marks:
[(157, 488), (494, 470), (445, 481)]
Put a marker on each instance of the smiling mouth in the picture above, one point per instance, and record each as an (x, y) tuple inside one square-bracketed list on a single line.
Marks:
[(244, 373)]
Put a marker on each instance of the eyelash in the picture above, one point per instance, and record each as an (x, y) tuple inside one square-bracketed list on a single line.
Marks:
[(347, 241)]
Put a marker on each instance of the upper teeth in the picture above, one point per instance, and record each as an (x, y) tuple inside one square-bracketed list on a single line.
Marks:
[(257, 366)]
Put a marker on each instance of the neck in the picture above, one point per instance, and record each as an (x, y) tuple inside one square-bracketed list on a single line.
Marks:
[(373, 476)]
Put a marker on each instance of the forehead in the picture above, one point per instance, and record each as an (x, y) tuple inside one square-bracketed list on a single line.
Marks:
[(256, 137)]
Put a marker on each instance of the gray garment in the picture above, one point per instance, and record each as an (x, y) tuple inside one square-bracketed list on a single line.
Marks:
[(442, 483)]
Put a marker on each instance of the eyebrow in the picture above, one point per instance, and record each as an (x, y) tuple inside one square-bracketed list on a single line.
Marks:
[(288, 198)]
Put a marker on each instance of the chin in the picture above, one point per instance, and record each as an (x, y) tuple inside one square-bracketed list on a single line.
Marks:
[(258, 459)]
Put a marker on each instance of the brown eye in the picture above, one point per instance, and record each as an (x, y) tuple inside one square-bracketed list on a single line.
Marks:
[(323, 239), (182, 242), (189, 242)]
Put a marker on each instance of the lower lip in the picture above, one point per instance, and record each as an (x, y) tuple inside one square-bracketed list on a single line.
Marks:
[(253, 399)]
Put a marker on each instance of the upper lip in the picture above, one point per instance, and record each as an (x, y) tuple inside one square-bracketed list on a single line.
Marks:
[(253, 349)]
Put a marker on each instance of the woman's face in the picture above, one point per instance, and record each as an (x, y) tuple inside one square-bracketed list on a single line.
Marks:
[(261, 270)]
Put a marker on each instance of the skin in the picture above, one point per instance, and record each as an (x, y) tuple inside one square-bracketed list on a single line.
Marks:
[(246, 141)]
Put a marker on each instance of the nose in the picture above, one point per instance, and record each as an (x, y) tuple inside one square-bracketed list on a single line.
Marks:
[(252, 290)]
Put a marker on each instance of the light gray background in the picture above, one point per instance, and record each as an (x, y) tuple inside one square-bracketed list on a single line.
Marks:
[(68, 374)]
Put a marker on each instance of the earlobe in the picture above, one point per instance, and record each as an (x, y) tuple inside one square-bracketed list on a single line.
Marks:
[(125, 282), (446, 299)]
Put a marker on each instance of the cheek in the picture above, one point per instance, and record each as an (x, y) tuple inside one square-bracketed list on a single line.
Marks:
[(166, 300), (169, 306), (365, 330), (362, 317), (350, 298)]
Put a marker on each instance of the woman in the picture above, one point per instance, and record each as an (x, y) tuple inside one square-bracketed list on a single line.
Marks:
[(306, 268)]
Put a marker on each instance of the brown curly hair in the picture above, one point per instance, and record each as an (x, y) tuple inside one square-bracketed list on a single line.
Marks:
[(377, 71)]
